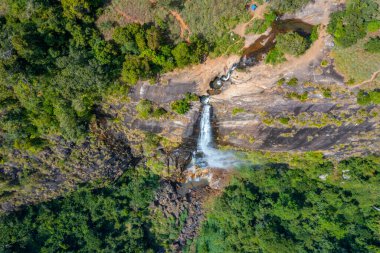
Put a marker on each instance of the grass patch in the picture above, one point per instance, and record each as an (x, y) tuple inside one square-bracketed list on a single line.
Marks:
[(355, 63), (237, 110)]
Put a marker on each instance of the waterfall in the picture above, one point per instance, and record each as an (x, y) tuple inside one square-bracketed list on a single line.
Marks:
[(206, 155)]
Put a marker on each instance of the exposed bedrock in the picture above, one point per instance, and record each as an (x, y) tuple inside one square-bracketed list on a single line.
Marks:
[(268, 121)]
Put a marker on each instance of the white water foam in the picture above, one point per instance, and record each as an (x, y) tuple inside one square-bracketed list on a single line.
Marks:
[(207, 156)]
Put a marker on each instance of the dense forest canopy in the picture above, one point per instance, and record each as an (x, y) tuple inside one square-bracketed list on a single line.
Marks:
[(55, 66), (277, 208)]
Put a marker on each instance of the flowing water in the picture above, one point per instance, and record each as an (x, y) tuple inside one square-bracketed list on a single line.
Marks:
[(207, 155)]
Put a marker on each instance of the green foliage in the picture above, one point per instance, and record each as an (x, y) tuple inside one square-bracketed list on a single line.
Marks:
[(284, 120), (281, 81), (350, 25), (146, 110), (370, 97), (261, 25), (373, 45), (373, 26), (301, 97), (283, 6), (292, 43), (274, 57), (327, 93), (237, 110), (314, 34), (182, 106), (182, 54), (293, 82), (275, 208), (109, 219)]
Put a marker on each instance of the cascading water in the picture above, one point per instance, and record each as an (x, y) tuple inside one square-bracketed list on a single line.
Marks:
[(206, 155)]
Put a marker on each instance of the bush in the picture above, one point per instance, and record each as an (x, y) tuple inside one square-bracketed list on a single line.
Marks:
[(144, 109), (350, 25), (181, 106), (373, 45), (292, 43), (327, 93), (284, 120), (274, 56), (366, 98), (283, 6), (261, 25), (293, 82), (281, 81), (373, 26), (314, 34), (237, 110)]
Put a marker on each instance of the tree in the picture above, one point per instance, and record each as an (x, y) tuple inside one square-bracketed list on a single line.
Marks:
[(182, 54), (373, 45), (292, 43), (134, 68)]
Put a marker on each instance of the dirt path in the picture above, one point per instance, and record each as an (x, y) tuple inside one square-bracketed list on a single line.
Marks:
[(128, 18), (373, 77), (183, 25)]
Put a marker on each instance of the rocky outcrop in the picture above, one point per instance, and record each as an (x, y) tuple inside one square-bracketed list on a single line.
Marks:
[(28, 178), (272, 121), (183, 204)]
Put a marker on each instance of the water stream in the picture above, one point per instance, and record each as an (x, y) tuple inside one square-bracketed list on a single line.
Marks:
[(207, 155)]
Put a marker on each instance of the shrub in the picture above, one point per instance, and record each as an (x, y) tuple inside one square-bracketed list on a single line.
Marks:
[(281, 81), (283, 6), (284, 120), (314, 34), (144, 109), (274, 56), (373, 45), (324, 63), (237, 110), (301, 97), (350, 25), (373, 26), (159, 112), (327, 93), (181, 106), (366, 98), (292, 43), (293, 82)]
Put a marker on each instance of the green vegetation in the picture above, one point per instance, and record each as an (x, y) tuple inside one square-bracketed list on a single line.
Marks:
[(350, 25), (355, 63), (293, 82), (327, 93), (182, 106), (237, 110), (324, 63), (259, 26), (373, 45), (110, 219), (57, 67), (284, 120), (283, 6), (295, 95), (146, 109), (277, 207), (292, 43), (281, 81), (314, 34), (370, 97), (274, 57), (373, 26)]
